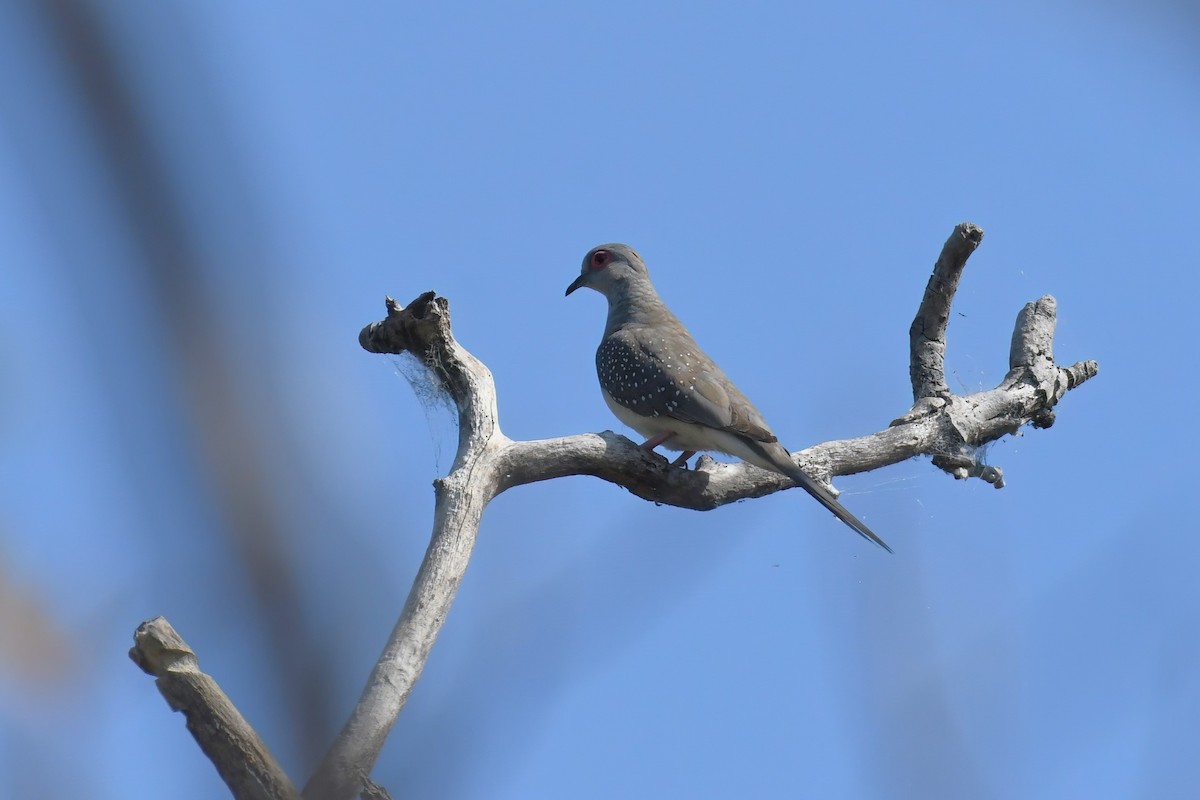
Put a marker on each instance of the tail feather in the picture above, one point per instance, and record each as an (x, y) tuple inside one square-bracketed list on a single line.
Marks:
[(823, 497), (782, 462)]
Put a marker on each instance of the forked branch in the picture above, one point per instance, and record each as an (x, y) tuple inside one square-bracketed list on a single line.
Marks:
[(951, 428)]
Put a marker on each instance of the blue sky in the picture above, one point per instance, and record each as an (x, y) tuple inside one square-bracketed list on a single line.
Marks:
[(189, 427)]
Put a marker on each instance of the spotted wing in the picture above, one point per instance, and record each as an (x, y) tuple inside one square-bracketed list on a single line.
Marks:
[(666, 374)]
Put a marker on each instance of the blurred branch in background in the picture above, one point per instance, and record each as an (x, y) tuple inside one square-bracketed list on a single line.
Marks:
[(34, 651), (223, 425)]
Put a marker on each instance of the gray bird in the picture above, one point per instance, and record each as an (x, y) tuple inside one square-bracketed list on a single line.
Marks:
[(658, 381)]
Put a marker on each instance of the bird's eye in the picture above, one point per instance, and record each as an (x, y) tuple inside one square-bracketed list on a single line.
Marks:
[(600, 259)]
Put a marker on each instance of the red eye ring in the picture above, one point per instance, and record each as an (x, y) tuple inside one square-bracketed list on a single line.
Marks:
[(600, 259)]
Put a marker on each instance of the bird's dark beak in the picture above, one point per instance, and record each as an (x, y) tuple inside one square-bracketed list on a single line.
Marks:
[(576, 283)]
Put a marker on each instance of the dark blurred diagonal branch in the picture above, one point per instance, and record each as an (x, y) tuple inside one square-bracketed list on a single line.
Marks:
[(237, 451), (946, 426), (240, 756)]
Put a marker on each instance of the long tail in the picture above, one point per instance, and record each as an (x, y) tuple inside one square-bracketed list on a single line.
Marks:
[(826, 499), (783, 463)]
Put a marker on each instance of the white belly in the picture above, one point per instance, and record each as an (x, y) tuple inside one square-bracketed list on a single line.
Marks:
[(687, 435)]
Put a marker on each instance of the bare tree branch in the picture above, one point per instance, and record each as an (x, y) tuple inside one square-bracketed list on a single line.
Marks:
[(423, 328), (951, 428), (235, 446), (1028, 393), (927, 334), (240, 756)]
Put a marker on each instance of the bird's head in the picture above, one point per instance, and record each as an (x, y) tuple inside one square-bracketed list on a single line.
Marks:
[(609, 268)]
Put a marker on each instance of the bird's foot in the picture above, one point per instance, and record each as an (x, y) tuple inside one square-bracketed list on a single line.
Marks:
[(683, 459)]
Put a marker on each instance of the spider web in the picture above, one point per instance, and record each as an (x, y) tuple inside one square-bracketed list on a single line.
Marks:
[(441, 418)]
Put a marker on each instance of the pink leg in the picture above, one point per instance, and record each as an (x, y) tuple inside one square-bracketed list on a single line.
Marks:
[(655, 441), (683, 459)]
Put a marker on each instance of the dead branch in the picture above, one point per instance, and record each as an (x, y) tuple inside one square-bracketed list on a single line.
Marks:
[(240, 756), (950, 428)]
